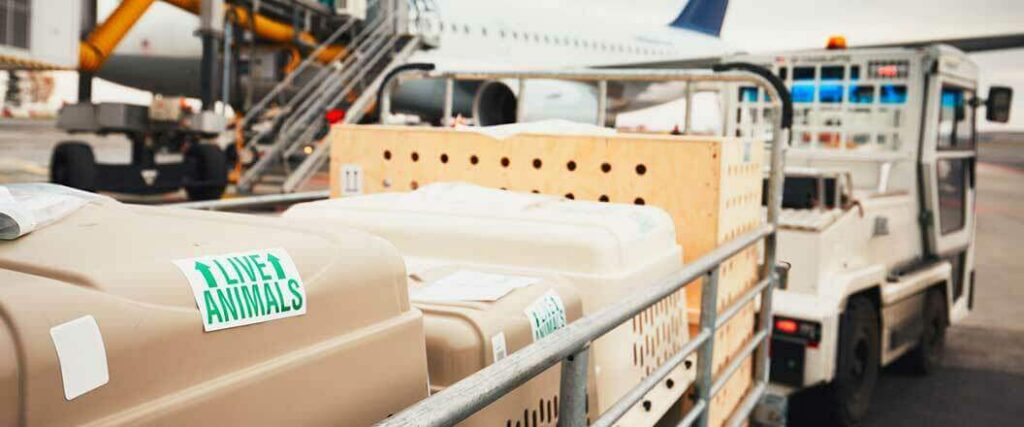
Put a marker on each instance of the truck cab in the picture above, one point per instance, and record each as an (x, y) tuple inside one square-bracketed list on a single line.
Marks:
[(877, 226)]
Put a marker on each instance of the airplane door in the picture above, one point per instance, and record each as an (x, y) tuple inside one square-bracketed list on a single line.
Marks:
[(948, 162)]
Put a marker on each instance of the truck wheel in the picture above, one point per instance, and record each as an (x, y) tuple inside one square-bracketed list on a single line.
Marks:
[(857, 362), (74, 165), (928, 355), (208, 172)]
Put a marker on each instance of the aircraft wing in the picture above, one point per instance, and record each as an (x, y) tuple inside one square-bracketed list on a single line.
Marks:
[(966, 44)]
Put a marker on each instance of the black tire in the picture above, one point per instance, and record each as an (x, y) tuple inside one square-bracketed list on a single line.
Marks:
[(74, 165), (927, 356), (857, 363), (207, 172)]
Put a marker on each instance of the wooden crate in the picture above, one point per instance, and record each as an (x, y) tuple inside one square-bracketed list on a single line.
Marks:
[(711, 186)]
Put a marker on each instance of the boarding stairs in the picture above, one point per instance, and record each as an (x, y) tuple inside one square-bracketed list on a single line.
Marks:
[(348, 83)]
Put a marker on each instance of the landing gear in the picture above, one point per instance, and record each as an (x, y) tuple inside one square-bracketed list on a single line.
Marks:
[(74, 165), (857, 366), (928, 355)]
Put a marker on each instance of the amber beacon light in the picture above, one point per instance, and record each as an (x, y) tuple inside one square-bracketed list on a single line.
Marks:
[(836, 42)]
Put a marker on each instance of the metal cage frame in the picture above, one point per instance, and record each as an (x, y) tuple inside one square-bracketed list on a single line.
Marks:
[(570, 345)]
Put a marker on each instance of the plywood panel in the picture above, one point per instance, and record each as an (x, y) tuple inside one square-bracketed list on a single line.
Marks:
[(711, 187)]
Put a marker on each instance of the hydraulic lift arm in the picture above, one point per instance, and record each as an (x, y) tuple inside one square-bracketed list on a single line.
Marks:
[(97, 47)]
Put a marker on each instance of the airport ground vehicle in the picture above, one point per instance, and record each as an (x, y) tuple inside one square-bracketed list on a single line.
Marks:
[(877, 218)]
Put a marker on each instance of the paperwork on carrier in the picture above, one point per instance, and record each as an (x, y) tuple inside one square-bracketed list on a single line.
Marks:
[(243, 288), (468, 285), (28, 207)]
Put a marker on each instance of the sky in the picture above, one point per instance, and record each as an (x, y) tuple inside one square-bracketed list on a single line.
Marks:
[(760, 26)]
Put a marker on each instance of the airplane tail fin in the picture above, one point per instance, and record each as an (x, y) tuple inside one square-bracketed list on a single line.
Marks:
[(703, 16)]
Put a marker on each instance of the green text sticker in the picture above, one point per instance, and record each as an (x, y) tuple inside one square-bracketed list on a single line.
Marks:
[(546, 315), (245, 287)]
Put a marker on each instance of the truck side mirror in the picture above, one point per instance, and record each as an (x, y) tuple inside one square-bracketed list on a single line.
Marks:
[(997, 106)]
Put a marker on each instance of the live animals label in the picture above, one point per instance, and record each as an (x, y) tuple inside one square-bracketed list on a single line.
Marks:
[(243, 288), (546, 315)]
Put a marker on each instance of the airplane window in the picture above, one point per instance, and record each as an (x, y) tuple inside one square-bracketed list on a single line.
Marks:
[(862, 94), (830, 94), (440, 25), (835, 72), (465, 28), (483, 31), (502, 33), (803, 73), (893, 94), (748, 94), (803, 93)]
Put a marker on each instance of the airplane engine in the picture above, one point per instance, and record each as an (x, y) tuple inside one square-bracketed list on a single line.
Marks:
[(496, 102)]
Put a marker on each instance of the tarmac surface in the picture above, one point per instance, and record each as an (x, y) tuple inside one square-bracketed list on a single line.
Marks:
[(982, 381)]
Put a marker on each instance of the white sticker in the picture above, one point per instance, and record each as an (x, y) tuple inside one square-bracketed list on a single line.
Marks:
[(498, 346), (351, 179), (82, 356), (245, 287), (468, 285), (546, 315)]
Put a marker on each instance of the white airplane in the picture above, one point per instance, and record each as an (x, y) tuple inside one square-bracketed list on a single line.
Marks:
[(160, 54)]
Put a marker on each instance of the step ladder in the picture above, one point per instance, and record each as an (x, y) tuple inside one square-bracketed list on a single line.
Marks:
[(349, 82)]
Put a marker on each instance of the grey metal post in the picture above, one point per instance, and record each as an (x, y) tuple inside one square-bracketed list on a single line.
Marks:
[(88, 24), (385, 101), (572, 403), (780, 141), (449, 93), (688, 118), (521, 102), (602, 102), (211, 26), (705, 359), (225, 81)]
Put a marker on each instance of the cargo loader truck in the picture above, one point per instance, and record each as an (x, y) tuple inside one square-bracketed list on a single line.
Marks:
[(878, 216)]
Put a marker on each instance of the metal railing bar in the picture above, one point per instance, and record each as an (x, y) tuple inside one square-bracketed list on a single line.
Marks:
[(742, 412), (708, 314), (253, 112), (253, 201), (308, 118), (698, 409), (725, 315), (738, 359), (328, 87), (627, 401), (315, 160), (476, 391), (322, 78), (337, 87)]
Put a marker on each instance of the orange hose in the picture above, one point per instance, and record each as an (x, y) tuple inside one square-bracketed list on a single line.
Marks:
[(267, 28), (95, 49)]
